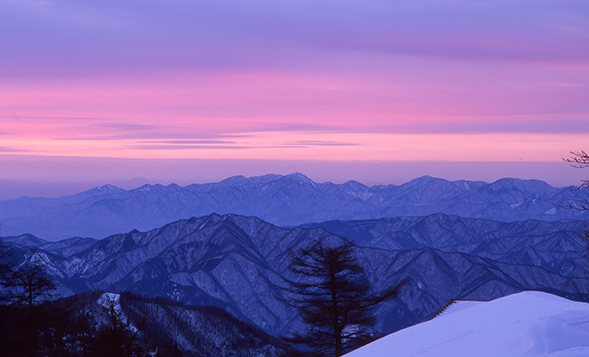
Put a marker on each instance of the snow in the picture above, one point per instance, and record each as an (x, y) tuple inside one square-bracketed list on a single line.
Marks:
[(514, 205), (527, 324), (107, 300)]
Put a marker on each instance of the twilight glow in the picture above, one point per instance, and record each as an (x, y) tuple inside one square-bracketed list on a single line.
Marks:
[(282, 86)]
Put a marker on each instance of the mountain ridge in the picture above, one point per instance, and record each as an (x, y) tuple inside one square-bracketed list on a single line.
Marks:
[(237, 262), (288, 200)]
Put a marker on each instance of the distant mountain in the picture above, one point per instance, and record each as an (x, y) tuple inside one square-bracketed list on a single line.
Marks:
[(235, 262), (26, 240), (528, 324), (438, 277), (554, 246), (64, 248), (283, 200)]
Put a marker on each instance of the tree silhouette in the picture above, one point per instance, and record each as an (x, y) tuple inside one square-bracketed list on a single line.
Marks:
[(29, 284), (580, 160), (26, 287), (7, 266), (115, 337), (333, 297)]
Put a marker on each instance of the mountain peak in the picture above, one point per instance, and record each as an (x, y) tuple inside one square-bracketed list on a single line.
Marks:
[(104, 189), (535, 186), (284, 200), (353, 184), (423, 180), (109, 187), (26, 240), (233, 180), (144, 188), (299, 177)]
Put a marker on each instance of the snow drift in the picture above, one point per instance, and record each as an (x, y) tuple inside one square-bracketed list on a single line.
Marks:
[(526, 324)]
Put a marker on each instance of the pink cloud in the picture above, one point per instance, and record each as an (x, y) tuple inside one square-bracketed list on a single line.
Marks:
[(305, 79), (406, 96)]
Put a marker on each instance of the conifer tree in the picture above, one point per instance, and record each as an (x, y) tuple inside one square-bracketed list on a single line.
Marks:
[(115, 337), (333, 296)]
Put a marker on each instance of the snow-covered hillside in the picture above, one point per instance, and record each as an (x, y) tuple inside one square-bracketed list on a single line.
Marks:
[(529, 324)]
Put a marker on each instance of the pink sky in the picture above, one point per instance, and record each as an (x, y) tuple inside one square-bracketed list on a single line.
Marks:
[(290, 86)]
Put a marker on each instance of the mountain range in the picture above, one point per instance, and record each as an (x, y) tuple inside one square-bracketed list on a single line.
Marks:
[(236, 262), (285, 201), (554, 246)]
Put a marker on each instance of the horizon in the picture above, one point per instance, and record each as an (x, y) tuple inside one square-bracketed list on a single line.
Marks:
[(11, 190)]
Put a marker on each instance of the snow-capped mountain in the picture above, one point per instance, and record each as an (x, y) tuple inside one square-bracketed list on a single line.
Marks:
[(235, 262), (527, 324), (283, 200)]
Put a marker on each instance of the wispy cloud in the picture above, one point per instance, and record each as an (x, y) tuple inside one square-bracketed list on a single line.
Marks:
[(186, 142), (5, 149), (189, 147), (322, 143), (129, 127)]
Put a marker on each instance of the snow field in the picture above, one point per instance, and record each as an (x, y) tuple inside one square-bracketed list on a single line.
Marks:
[(526, 324)]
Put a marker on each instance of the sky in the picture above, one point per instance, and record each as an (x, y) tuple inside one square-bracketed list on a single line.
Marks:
[(129, 92)]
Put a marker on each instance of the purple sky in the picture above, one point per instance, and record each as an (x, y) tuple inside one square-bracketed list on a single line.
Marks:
[(95, 92)]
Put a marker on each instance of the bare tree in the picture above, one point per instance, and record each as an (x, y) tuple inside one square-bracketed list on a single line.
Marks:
[(333, 297), (580, 160), (29, 284)]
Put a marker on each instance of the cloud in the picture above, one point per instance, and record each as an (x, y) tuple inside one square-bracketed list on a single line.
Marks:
[(129, 127), (5, 149), (163, 135), (122, 77), (321, 143), (551, 123), (189, 147), (186, 142), (116, 37)]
